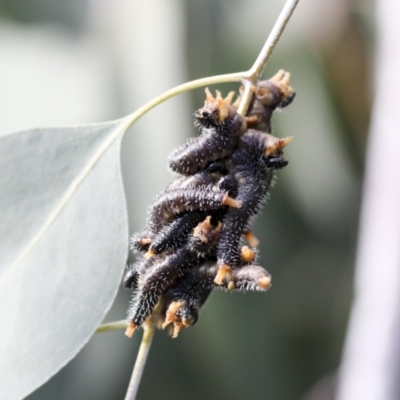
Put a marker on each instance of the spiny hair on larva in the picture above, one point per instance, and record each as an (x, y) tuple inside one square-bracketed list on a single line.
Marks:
[(162, 275), (170, 204), (248, 164), (222, 126), (268, 96), (183, 303), (193, 241), (173, 235)]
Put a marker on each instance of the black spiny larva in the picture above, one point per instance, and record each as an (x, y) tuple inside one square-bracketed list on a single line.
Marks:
[(164, 274), (249, 165), (268, 96), (182, 303), (221, 127), (223, 175)]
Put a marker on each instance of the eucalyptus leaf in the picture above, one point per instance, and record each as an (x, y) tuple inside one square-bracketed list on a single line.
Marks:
[(63, 246)]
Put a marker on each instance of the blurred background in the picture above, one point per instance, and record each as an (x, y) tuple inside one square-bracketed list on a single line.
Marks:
[(67, 63)]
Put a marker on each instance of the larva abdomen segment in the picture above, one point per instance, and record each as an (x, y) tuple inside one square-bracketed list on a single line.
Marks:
[(174, 235), (246, 278), (203, 178), (236, 221), (196, 154), (170, 204), (131, 277), (254, 175), (158, 280), (251, 277)]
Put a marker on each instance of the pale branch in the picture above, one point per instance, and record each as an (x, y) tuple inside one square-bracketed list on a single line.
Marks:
[(259, 65), (185, 87), (252, 76), (149, 328)]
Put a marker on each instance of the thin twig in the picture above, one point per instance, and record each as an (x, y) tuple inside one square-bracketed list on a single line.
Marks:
[(252, 76), (280, 25), (141, 359), (185, 87), (112, 326)]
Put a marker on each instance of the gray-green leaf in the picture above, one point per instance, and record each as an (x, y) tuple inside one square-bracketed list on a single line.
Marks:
[(63, 246)]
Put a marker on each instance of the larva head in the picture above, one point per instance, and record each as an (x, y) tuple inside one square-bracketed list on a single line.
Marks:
[(170, 315), (274, 92), (273, 153), (228, 185), (281, 82), (261, 144), (131, 277), (218, 113), (181, 315), (273, 146), (268, 95), (188, 315), (188, 318), (205, 236)]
